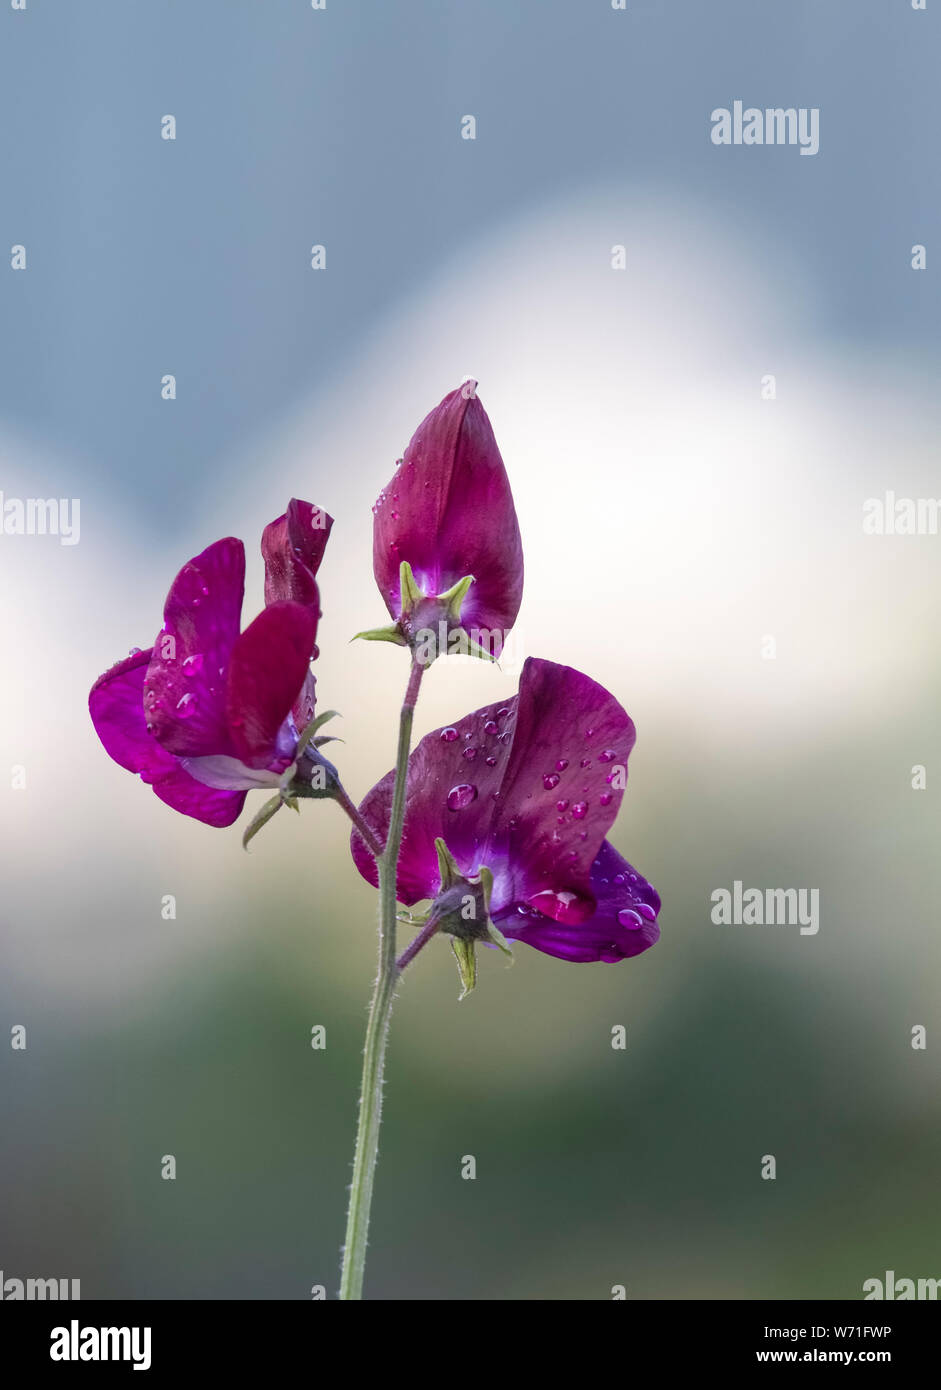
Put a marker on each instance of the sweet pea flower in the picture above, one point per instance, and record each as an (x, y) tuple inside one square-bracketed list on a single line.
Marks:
[(208, 713), (522, 794), (447, 555)]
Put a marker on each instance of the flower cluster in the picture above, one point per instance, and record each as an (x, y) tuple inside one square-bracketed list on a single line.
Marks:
[(506, 811)]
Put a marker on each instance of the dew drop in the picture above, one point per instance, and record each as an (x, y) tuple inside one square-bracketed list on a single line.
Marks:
[(550, 780), (562, 764), (193, 664), (448, 735), (470, 754), (627, 917), (394, 515), (491, 727), (589, 733), (561, 805), (620, 878), (502, 713), (580, 810), (186, 705), (491, 762), (585, 762), (608, 756), (647, 911), (605, 798), (134, 651), (461, 796)]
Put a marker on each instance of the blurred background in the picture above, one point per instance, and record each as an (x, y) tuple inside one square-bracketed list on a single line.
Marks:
[(673, 520)]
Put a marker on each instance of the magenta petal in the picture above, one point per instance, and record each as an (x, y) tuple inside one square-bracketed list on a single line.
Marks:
[(450, 793), (184, 693), (449, 512), (561, 790), (116, 704), (191, 798), (266, 670), (293, 547), (624, 923)]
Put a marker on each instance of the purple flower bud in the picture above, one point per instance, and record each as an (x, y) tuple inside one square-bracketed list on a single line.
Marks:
[(448, 511)]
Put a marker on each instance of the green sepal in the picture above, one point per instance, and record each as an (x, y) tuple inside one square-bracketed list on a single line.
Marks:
[(382, 634), (498, 939), (447, 866), (455, 596), (312, 728), (410, 596), (270, 808), (466, 957), (468, 647)]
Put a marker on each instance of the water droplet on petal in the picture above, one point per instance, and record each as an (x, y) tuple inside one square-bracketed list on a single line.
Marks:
[(470, 754), (585, 762), (608, 756), (448, 735), (491, 727), (134, 651), (491, 762), (186, 705), (647, 911), (461, 796), (627, 917), (502, 713), (620, 878), (561, 805), (605, 798), (550, 780), (562, 764), (580, 810), (193, 664), (589, 733)]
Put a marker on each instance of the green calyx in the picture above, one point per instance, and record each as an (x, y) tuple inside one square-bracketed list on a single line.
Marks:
[(430, 624), (463, 911), (310, 775)]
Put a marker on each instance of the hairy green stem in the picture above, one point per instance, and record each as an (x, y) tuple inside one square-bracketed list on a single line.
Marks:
[(377, 1029)]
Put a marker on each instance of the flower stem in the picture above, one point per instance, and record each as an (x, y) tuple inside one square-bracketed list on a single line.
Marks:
[(377, 1029), (343, 799), (422, 939)]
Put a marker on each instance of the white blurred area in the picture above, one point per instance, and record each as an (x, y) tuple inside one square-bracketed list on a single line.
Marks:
[(671, 519)]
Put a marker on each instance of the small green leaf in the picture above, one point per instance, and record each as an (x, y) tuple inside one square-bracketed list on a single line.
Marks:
[(270, 808)]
